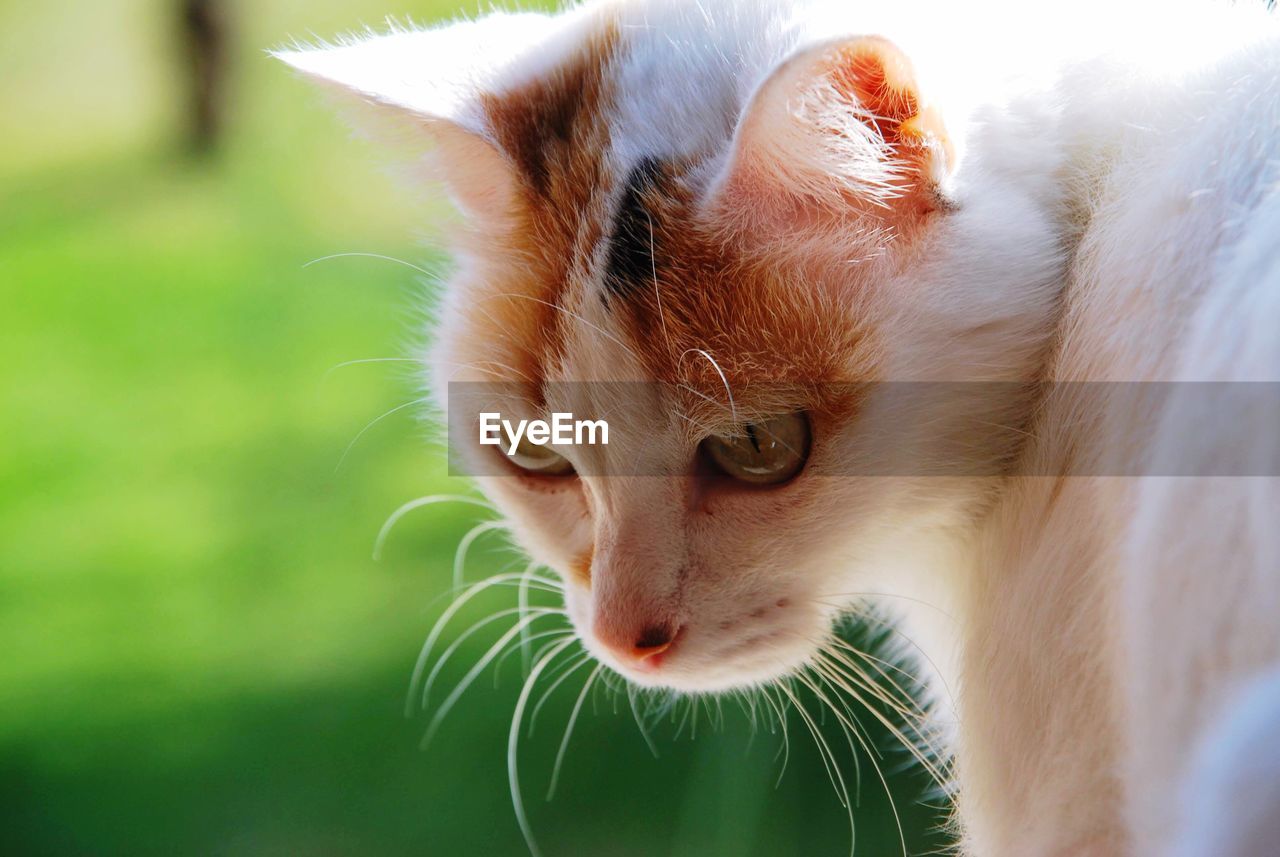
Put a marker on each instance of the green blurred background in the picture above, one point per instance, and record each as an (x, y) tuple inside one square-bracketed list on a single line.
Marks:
[(197, 653)]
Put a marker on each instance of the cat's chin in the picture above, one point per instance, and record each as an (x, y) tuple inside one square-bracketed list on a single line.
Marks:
[(707, 681), (710, 679)]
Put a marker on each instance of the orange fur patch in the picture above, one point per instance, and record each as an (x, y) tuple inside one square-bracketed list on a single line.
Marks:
[(715, 305), (717, 312), (555, 132), (880, 78), (581, 567)]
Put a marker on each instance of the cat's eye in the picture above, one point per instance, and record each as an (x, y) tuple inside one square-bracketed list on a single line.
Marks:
[(767, 452), (539, 460)]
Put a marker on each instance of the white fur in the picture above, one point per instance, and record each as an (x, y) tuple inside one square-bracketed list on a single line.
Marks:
[(1116, 205)]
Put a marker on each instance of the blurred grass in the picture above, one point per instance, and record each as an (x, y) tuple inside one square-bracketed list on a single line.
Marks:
[(199, 655)]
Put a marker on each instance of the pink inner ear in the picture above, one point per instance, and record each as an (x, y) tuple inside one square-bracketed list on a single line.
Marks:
[(479, 177)]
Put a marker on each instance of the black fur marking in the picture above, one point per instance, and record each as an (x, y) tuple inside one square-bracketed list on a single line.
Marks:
[(632, 260)]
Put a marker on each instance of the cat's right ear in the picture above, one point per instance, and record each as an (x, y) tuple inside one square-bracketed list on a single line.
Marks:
[(425, 87)]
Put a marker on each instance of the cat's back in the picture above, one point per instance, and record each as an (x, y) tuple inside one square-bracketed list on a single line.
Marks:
[(1177, 200)]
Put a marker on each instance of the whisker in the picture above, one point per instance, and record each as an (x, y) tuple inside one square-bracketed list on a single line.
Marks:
[(384, 258), (644, 733), (828, 760), (437, 629), (827, 673), (657, 293), (464, 546), (419, 503), (522, 599), (373, 422), (724, 380), (850, 726), (839, 651), (474, 673), (513, 746), (488, 366), (684, 719), (882, 669), (898, 595), (785, 749), (545, 647), (518, 646), (850, 734), (897, 632), (853, 725), (574, 665), (568, 729), (462, 638), (344, 364)]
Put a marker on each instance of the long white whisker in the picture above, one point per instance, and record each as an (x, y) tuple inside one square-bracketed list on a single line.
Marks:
[(899, 596), (417, 268), (574, 665), (824, 752), (464, 547), (875, 765), (657, 293), (850, 725), (419, 503), (473, 673), (465, 635), (924, 655), (373, 422), (883, 668), (515, 647), (841, 672), (842, 791), (904, 702), (781, 712), (733, 411), (522, 599), (513, 746), (436, 630), (344, 364), (568, 729), (644, 733)]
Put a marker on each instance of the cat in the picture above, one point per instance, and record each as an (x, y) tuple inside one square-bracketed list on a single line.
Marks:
[(1050, 213)]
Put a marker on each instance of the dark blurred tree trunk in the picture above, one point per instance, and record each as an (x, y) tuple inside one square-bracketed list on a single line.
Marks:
[(204, 31)]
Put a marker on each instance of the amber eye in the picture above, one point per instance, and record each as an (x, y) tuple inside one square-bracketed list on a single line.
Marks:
[(763, 453), (539, 460)]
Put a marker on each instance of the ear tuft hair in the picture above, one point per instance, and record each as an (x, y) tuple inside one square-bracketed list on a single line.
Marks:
[(838, 125)]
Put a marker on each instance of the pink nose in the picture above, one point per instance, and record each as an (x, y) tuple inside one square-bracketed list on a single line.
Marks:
[(641, 645)]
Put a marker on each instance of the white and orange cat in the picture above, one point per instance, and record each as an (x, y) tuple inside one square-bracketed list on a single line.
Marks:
[(719, 197)]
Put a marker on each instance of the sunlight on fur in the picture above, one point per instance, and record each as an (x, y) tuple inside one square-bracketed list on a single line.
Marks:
[(740, 230)]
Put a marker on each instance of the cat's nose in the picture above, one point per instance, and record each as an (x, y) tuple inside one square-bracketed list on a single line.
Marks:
[(653, 640), (638, 645)]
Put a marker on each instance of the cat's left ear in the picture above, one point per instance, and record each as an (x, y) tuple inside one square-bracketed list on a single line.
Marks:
[(837, 128), (427, 86)]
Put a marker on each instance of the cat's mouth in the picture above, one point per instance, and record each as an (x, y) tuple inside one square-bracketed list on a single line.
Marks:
[(757, 647)]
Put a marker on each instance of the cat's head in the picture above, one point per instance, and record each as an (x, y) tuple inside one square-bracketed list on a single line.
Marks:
[(720, 222)]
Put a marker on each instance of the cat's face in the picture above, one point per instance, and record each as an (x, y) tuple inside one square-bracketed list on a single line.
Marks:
[(725, 255)]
